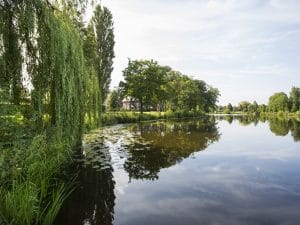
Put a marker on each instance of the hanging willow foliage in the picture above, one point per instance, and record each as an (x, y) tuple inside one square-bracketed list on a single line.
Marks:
[(93, 93), (11, 52), (43, 41), (63, 81)]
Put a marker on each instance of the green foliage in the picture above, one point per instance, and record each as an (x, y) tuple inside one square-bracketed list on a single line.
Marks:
[(228, 108), (160, 88), (102, 23), (143, 82), (10, 53), (32, 194), (44, 42), (295, 99), (244, 106), (92, 94), (114, 100), (278, 101)]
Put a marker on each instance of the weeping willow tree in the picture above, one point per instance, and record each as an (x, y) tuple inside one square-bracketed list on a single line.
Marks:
[(10, 52), (93, 93), (43, 42)]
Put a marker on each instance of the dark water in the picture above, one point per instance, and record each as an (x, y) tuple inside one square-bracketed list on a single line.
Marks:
[(215, 171)]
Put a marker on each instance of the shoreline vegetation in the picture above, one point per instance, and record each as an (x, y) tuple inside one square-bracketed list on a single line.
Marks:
[(280, 114), (111, 118)]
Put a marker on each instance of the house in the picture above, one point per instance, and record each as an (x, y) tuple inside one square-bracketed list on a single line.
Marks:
[(129, 103)]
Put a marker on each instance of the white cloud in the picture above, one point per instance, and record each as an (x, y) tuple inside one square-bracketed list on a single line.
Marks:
[(238, 40)]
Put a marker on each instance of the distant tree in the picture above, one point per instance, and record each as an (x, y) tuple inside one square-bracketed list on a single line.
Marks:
[(295, 99), (262, 108), (211, 99), (244, 106), (159, 87), (278, 102), (113, 100), (229, 107), (185, 93), (255, 106), (102, 23), (144, 80)]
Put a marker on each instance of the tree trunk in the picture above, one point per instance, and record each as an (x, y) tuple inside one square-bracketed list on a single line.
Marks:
[(141, 107)]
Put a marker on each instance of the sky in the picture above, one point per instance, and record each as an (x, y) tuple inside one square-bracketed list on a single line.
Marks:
[(248, 49)]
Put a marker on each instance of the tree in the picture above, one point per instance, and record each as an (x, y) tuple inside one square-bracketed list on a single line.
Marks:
[(102, 23), (113, 100), (295, 99), (211, 99), (10, 51), (254, 106), (229, 107), (278, 102), (262, 108), (244, 106), (143, 81), (93, 101), (184, 93)]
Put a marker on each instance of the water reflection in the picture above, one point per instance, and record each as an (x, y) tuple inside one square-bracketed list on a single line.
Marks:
[(168, 143), (157, 173), (278, 126), (92, 203), (142, 150)]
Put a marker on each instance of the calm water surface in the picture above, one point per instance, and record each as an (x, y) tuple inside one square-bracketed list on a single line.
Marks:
[(212, 171)]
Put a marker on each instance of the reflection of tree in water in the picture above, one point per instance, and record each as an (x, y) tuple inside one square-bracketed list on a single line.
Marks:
[(247, 120), (167, 143), (244, 120), (279, 127), (92, 203), (282, 127), (295, 130)]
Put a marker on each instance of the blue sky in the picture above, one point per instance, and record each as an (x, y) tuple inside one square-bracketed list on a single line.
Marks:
[(248, 49)]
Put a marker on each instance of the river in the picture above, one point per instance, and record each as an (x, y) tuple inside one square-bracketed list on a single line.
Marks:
[(216, 170)]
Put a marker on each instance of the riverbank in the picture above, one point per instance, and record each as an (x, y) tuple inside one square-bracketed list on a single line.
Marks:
[(111, 118), (280, 114), (32, 188)]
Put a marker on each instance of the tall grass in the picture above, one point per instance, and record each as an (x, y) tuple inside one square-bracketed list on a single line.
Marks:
[(32, 193)]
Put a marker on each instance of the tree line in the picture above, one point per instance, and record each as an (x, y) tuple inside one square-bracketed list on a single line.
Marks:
[(152, 87), (278, 102)]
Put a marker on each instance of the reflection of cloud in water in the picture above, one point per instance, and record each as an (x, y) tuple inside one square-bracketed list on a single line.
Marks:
[(253, 141), (224, 193), (249, 176)]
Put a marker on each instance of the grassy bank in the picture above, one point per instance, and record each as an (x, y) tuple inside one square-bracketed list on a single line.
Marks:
[(280, 114), (31, 163), (110, 118)]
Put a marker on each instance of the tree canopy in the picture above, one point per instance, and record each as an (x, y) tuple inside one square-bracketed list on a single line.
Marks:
[(158, 87), (279, 102)]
